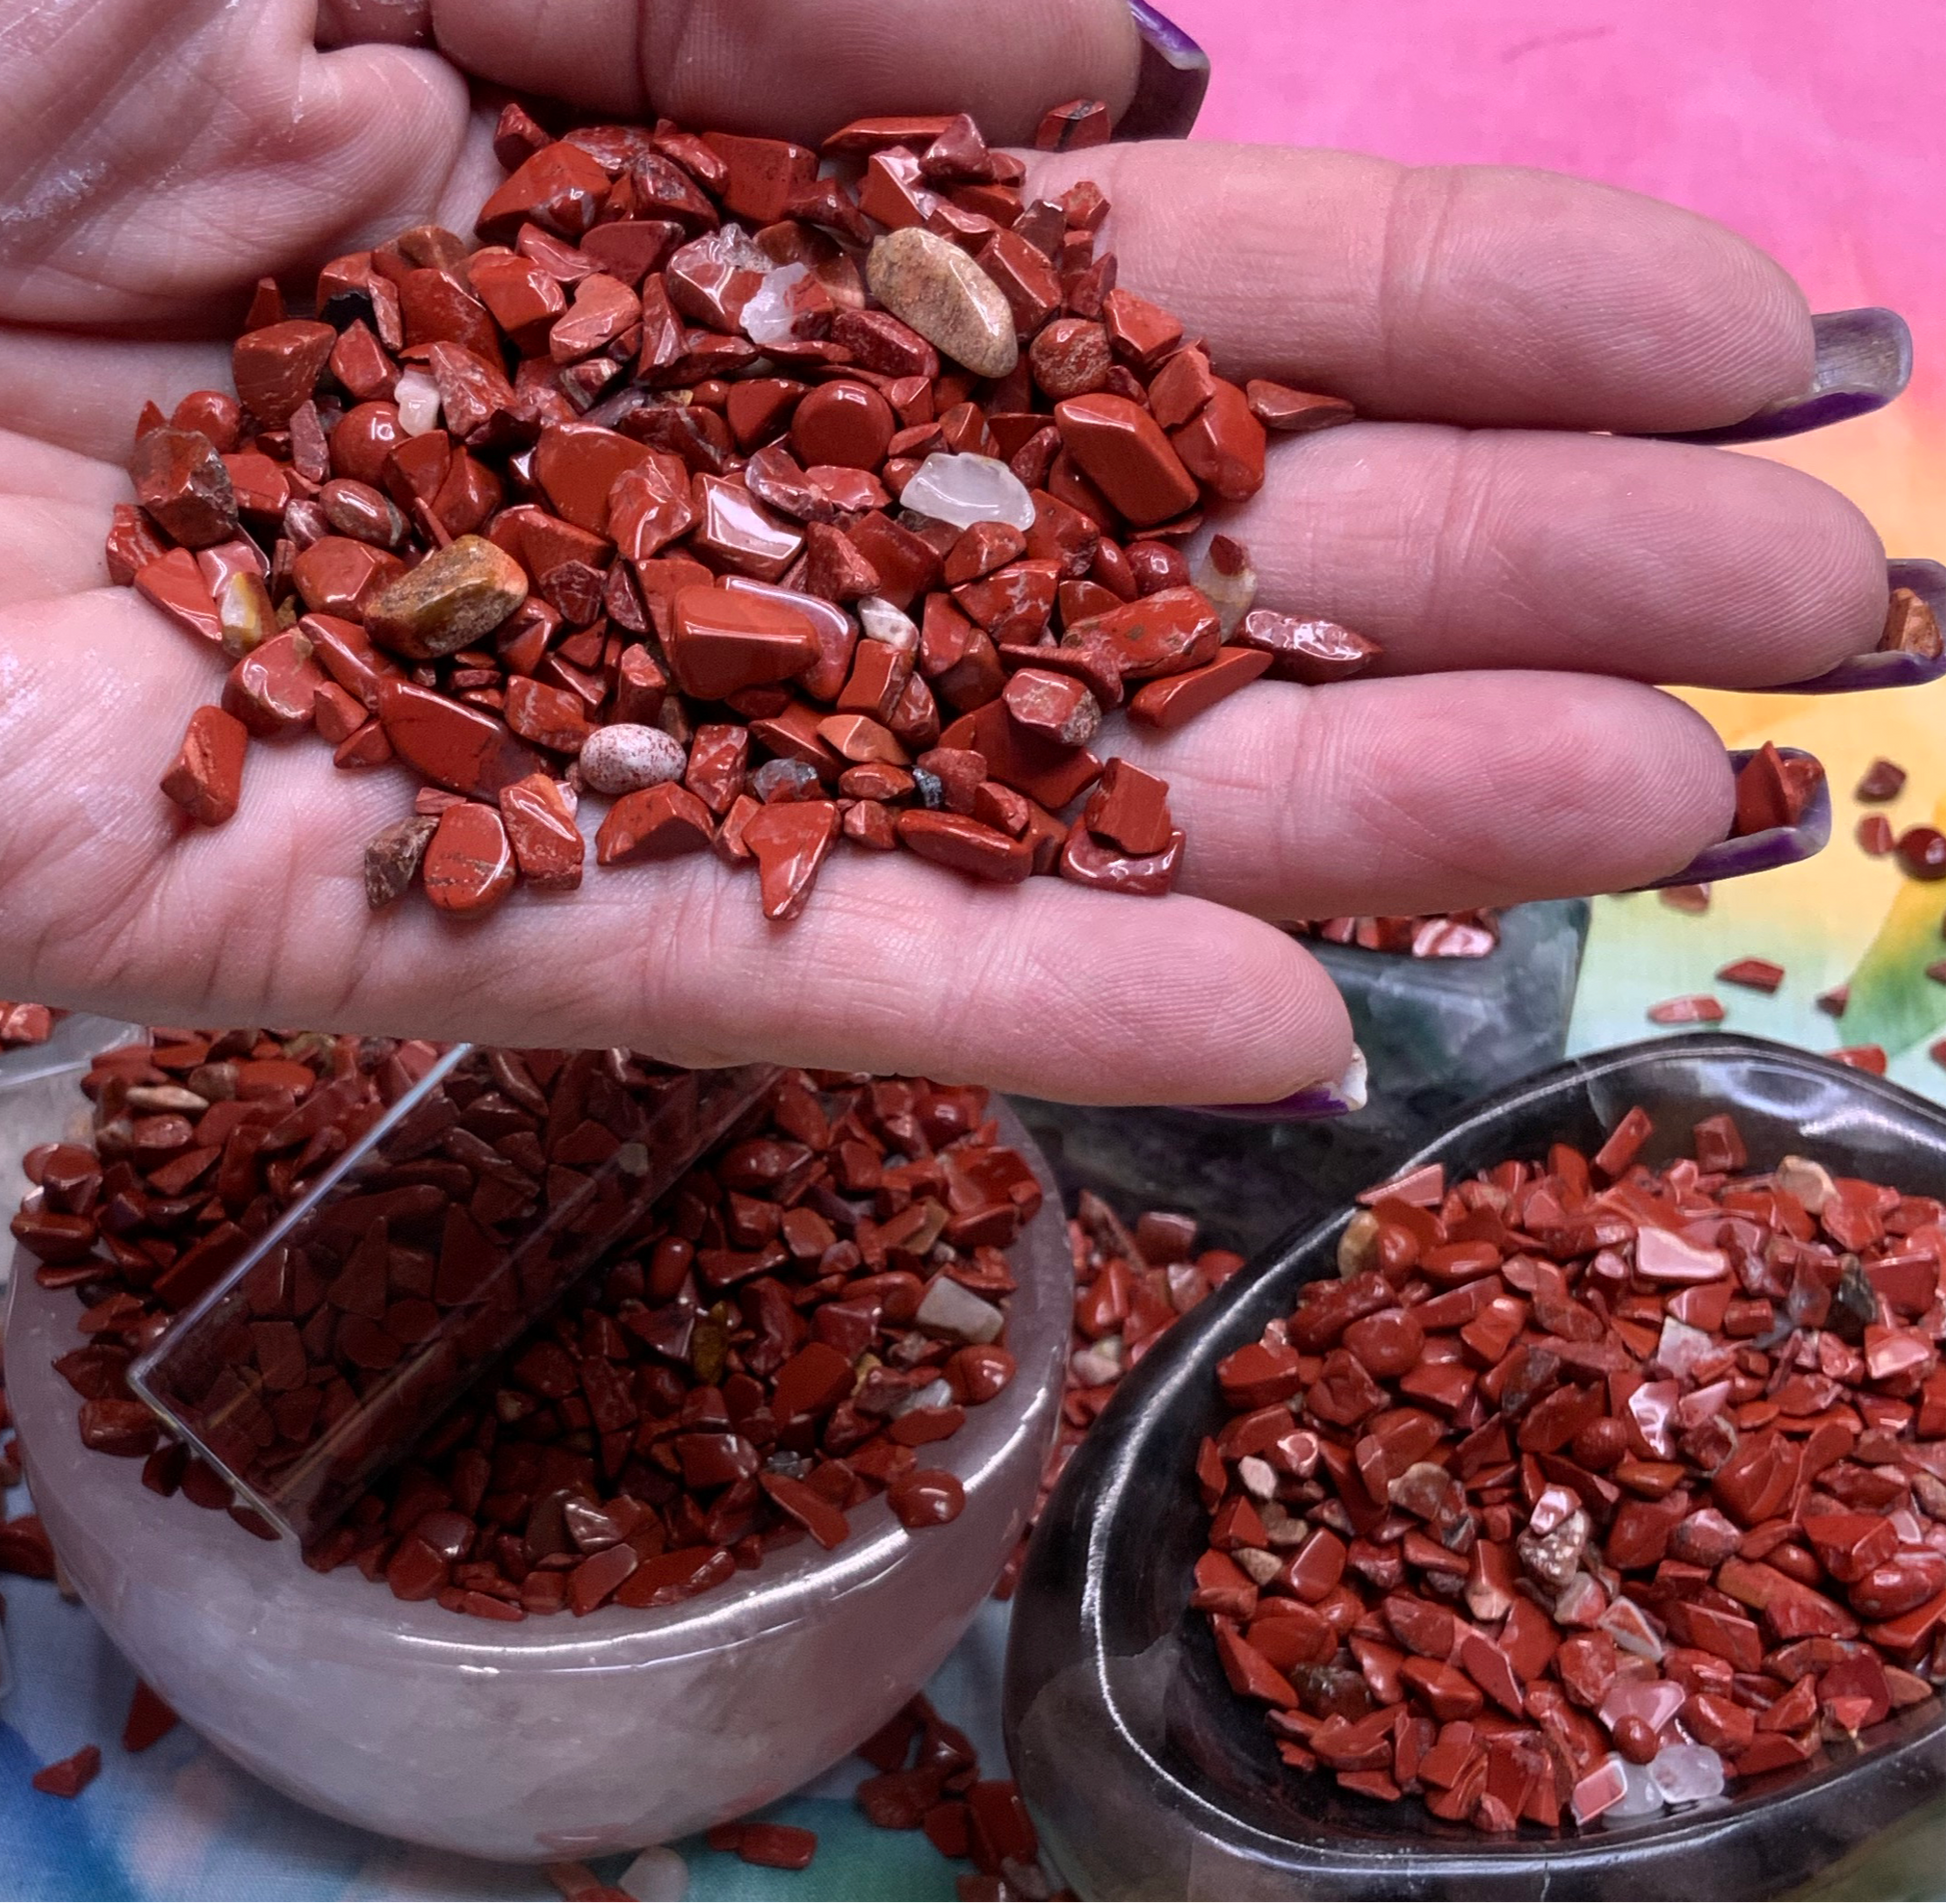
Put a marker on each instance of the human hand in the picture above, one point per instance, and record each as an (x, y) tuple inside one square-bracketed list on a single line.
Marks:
[(1527, 576)]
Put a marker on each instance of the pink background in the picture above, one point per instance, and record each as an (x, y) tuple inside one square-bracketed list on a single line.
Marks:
[(1830, 152)]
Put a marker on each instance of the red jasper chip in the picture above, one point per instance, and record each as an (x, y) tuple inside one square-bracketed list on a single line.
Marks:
[(790, 840), (69, 1777), (26, 1024), (1223, 447), (926, 1496), (1882, 780), (126, 1428), (1866, 1057), (1700, 1008), (809, 1508), (277, 368), (1130, 809), (1168, 704), (1755, 974), (1086, 860), (659, 822), (206, 777), (1520, 1486), (1119, 447), (24, 1548), (984, 852), (1875, 835), (1921, 852), (773, 1846), (461, 748), (469, 864), (547, 844), (182, 485), (1078, 123), (599, 1577), (560, 188), (1310, 651), (149, 1720), (1773, 791), (1278, 407), (843, 423)]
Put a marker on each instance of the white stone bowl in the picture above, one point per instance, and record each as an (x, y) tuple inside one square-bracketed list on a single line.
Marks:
[(557, 1737)]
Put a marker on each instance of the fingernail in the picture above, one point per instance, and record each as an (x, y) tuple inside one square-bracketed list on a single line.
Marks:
[(1310, 1105), (1864, 360), (1910, 652), (1763, 848), (1170, 85)]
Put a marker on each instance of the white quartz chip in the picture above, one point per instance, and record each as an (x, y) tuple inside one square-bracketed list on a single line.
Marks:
[(1687, 1773), (768, 317), (656, 1876), (950, 1309), (964, 489)]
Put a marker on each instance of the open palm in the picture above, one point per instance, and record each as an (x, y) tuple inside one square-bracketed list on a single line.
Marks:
[(1526, 574)]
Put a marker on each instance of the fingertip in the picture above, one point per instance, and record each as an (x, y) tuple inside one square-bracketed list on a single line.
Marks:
[(1641, 782), (1635, 316), (1235, 1012), (1715, 569), (1516, 785), (1729, 326), (1688, 784), (1813, 574), (1300, 1036), (1074, 996)]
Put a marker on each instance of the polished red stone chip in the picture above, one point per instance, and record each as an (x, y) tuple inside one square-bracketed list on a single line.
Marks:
[(27, 1024), (1698, 1008), (69, 1777)]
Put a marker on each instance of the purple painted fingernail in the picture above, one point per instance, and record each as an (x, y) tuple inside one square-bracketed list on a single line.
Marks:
[(1916, 654), (1864, 360), (1311, 1105), (1170, 86), (1768, 849)]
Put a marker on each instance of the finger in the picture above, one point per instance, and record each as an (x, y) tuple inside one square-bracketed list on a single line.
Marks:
[(1402, 797), (244, 152), (84, 393), (801, 68), (1466, 294), (383, 22), (53, 510), (895, 966), (1520, 548)]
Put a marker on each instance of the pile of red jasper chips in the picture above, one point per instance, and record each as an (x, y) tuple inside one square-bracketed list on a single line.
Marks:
[(1587, 1487), (1130, 1287), (774, 503), (807, 1311)]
